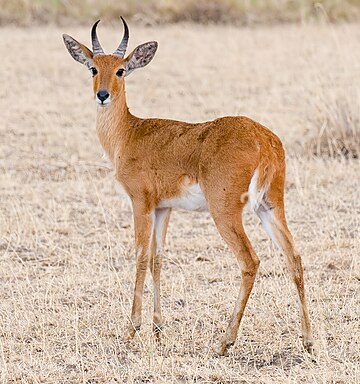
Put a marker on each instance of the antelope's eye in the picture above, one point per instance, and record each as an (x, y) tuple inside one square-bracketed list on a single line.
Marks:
[(120, 72), (93, 71)]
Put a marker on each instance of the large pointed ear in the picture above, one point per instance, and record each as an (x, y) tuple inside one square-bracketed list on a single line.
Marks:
[(141, 56), (78, 51)]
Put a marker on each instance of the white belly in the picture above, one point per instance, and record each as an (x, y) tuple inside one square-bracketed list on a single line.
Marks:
[(192, 199)]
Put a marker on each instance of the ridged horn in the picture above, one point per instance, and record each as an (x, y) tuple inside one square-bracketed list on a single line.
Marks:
[(95, 42), (121, 49)]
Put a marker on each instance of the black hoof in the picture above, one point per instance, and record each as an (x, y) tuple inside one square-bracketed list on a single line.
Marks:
[(157, 329)]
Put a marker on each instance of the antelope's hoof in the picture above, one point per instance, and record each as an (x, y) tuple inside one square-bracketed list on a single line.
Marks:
[(133, 330), (223, 350), (309, 346), (157, 329)]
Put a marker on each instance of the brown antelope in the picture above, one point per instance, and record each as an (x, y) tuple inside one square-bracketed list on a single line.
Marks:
[(164, 164)]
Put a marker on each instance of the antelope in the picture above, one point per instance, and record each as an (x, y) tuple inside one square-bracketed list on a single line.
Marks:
[(216, 166)]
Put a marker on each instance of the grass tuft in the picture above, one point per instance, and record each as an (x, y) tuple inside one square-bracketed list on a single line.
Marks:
[(338, 127)]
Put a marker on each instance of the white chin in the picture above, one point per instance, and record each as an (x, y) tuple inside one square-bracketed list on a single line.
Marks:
[(104, 104)]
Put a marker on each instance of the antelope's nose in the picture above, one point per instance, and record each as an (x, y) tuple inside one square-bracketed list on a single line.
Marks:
[(102, 95)]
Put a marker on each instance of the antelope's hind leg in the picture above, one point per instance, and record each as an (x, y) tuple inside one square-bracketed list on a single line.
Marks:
[(229, 225), (272, 216)]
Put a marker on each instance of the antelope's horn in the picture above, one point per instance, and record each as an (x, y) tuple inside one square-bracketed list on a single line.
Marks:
[(121, 49), (95, 42)]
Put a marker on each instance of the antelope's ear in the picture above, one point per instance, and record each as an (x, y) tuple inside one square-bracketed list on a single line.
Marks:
[(140, 56), (78, 51)]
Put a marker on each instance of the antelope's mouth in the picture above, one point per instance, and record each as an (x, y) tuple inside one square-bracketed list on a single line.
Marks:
[(103, 103)]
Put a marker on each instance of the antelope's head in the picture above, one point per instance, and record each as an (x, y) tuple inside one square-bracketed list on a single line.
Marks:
[(109, 71)]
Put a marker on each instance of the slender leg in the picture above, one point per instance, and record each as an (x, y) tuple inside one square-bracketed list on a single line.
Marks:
[(144, 226), (162, 216), (274, 222), (232, 231)]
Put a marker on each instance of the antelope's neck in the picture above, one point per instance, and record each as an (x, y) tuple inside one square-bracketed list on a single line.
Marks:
[(113, 126)]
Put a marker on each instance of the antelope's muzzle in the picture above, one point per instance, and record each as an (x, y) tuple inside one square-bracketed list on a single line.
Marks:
[(103, 97)]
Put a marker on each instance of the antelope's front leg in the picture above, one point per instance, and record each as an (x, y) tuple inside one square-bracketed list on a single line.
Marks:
[(162, 216), (144, 223)]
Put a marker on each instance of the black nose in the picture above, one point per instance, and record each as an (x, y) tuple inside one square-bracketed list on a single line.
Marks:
[(102, 95)]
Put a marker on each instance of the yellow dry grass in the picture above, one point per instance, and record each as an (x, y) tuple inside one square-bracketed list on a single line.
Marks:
[(66, 243)]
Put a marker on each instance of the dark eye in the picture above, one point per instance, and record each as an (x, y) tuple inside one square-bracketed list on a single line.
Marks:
[(94, 71), (120, 72)]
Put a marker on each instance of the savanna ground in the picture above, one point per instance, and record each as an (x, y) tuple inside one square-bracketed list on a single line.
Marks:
[(66, 242)]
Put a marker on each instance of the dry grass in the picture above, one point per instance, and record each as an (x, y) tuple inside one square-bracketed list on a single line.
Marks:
[(240, 12), (338, 122), (67, 263)]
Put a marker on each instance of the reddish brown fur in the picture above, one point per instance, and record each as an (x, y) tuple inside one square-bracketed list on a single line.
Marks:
[(155, 158)]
